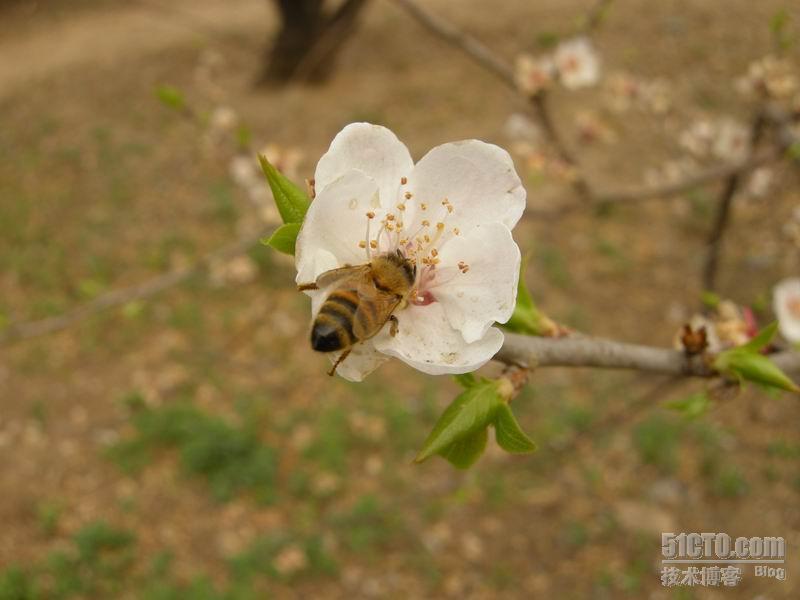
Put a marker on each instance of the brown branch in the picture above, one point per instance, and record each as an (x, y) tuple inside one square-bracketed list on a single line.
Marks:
[(122, 296), (601, 353), (723, 213), (468, 44)]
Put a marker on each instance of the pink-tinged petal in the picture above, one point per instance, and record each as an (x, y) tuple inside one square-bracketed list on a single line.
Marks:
[(482, 288), (786, 304), (372, 149), (362, 360), (477, 179), (334, 225), (427, 342)]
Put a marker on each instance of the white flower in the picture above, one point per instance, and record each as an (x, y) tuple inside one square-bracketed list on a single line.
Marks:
[(577, 63), (533, 74), (732, 141), (786, 304), (452, 213)]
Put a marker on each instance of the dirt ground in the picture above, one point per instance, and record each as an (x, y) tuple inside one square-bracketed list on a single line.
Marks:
[(190, 445)]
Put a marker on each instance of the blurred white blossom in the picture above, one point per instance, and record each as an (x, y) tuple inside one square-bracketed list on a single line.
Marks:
[(577, 63), (533, 74), (786, 304), (770, 78)]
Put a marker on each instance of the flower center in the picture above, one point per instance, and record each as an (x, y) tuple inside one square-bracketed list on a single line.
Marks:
[(793, 304), (421, 246)]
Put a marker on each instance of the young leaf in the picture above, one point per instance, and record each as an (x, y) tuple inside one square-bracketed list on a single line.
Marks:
[(291, 201), (283, 238), (509, 434), (526, 318), (748, 365), (761, 339), (466, 451), (465, 380), (691, 407), (170, 97), (470, 412)]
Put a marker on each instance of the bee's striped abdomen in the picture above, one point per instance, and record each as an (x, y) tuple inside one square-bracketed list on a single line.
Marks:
[(333, 326)]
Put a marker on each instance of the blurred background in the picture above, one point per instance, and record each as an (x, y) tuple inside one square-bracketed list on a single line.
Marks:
[(189, 444)]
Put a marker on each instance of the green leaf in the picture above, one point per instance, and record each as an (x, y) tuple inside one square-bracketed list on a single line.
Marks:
[(472, 410), (292, 202), (171, 97), (710, 299), (793, 152), (465, 452), (283, 238), (465, 380), (691, 407), (762, 339), (526, 318), (747, 365), (509, 434)]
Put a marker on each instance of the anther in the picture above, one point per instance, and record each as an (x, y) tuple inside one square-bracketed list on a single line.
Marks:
[(401, 207), (362, 244), (440, 226), (390, 217), (373, 244), (370, 215), (409, 195), (403, 180), (423, 206), (456, 231), (434, 252), (426, 223)]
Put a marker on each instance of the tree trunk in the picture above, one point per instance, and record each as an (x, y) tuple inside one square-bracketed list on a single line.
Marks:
[(309, 40)]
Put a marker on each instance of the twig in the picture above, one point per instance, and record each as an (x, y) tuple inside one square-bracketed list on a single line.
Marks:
[(723, 213), (535, 352), (469, 45), (594, 18), (122, 296), (542, 110)]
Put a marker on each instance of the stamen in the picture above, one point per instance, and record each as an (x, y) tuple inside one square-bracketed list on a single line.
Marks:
[(401, 207), (434, 252), (390, 217), (373, 244), (456, 231), (409, 195), (426, 223), (362, 244), (403, 180), (423, 206)]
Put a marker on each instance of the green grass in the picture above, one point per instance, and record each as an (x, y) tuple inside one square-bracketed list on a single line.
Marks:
[(230, 457), (657, 440), (91, 567)]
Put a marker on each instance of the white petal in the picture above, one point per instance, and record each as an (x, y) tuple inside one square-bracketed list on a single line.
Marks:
[(479, 181), (427, 342), (362, 360), (487, 291), (785, 300), (335, 223), (372, 149)]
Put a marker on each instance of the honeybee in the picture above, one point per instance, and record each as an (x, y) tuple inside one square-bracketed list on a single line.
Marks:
[(362, 299)]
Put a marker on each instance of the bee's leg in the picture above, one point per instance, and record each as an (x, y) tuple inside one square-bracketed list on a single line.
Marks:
[(394, 324), (345, 353), (302, 287)]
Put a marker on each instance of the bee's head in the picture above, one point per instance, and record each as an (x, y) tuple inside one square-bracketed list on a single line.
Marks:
[(409, 266)]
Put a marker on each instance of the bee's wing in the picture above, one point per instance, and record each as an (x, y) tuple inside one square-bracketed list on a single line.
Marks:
[(374, 309), (337, 276)]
